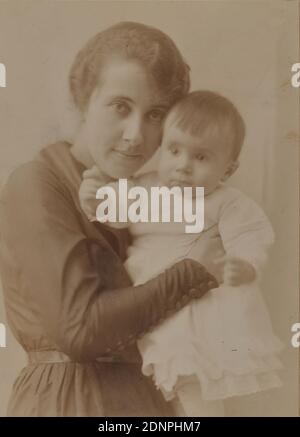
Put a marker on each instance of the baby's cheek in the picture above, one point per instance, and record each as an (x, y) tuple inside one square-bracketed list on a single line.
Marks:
[(164, 171), (211, 179)]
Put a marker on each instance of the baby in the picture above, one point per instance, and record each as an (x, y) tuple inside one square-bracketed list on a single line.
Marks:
[(221, 345)]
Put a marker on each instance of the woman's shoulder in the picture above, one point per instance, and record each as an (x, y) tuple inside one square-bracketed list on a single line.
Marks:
[(30, 178), (27, 174)]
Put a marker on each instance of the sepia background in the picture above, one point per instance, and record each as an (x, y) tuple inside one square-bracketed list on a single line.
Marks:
[(242, 49)]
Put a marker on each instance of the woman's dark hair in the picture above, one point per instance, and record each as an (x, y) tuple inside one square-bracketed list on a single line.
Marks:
[(132, 41)]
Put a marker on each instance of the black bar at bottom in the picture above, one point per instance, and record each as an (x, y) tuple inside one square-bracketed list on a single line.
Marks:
[(133, 425)]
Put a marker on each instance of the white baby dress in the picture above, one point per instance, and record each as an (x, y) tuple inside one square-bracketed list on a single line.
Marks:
[(225, 339)]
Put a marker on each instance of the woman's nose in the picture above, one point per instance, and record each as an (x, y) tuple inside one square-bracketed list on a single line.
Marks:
[(133, 131)]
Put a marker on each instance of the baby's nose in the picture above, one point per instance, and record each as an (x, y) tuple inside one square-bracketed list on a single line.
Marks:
[(184, 165)]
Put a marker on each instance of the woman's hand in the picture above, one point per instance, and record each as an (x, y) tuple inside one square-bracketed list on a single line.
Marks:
[(92, 181), (236, 271)]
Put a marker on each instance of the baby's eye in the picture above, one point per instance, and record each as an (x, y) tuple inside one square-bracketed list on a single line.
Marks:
[(121, 108), (156, 115), (200, 157)]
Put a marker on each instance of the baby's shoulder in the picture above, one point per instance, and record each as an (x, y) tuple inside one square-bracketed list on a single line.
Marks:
[(236, 206), (226, 199), (225, 195)]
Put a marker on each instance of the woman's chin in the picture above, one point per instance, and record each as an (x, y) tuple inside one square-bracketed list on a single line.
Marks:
[(122, 170), (117, 172)]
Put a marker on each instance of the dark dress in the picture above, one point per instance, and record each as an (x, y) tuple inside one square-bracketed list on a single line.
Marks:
[(70, 302)]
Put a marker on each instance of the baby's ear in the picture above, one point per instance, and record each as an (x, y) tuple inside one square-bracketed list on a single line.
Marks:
[(232, 167)]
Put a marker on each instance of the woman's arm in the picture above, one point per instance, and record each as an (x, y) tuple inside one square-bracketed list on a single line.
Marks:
[(75, 283)]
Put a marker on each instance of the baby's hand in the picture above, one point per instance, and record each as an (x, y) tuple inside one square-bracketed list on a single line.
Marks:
[(90, 184), (236, 271)]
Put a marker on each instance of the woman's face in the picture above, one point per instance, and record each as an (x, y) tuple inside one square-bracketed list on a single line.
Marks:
[(123, 122)]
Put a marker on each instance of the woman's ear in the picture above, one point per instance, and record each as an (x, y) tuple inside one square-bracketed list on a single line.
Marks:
[(232, 167)]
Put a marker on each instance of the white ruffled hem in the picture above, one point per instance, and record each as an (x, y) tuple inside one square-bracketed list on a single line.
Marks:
[(240, 372), (225, 339)]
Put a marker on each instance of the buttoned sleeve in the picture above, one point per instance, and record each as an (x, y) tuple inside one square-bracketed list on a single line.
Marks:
[(77, 285)]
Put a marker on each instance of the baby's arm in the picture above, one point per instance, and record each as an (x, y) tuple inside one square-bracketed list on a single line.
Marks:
[(236, 271), (247, 236)]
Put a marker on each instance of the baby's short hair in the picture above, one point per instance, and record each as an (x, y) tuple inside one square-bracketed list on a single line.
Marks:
[(201, 111)]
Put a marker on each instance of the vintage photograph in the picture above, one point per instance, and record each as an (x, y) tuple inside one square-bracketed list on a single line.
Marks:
[(149, 208)]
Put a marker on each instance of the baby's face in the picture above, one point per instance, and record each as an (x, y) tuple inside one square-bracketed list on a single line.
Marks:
[(193, 161)]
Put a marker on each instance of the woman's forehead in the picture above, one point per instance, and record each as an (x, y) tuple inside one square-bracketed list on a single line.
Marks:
[(130, 80)]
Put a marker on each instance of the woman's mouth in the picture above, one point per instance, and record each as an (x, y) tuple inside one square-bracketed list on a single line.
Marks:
[(127, 155)]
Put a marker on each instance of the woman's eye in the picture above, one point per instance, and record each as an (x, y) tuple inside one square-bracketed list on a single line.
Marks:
[(200, 157), (156, 116), (122, 108)]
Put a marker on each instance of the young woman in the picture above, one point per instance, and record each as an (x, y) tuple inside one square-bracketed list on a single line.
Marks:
[(69, 301)]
